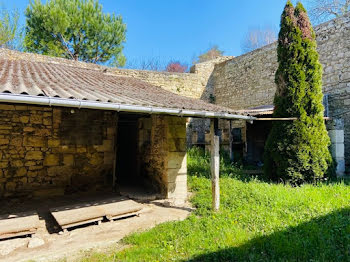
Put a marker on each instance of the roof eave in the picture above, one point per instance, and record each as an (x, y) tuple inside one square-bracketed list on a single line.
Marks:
[(75, 103)]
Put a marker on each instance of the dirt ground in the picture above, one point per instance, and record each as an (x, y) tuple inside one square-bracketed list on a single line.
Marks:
[(48, 244)]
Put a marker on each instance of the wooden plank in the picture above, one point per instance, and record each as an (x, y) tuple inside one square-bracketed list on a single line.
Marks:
[(215, 163), (80, 223), (121, 207), (20, 224), (110, 218), (112, 208), (69, 216)]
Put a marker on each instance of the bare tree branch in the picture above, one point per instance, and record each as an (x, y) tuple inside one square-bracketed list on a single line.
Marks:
[(257, 38), (324, 10)]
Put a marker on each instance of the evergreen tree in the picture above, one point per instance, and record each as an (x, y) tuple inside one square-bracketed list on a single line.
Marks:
[(75, 29), (298, 151)]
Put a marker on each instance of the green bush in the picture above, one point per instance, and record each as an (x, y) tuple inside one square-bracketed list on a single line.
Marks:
[(298, 151)]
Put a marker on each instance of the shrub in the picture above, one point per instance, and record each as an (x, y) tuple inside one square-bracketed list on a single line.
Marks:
[(297, 151)]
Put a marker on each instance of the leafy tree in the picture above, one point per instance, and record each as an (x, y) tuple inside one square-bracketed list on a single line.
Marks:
[(258, 37), (176, 67), (10, 31), (297, 151), (210, 54), (75, 29)]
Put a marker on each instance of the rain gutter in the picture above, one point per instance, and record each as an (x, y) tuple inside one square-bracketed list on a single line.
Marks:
[(74, 103)]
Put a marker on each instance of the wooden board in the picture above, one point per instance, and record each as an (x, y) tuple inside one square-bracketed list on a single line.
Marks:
[(75, 215), (20, 224), (121, 208)]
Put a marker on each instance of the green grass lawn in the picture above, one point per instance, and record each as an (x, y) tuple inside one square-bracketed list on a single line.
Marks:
[(258, 221)]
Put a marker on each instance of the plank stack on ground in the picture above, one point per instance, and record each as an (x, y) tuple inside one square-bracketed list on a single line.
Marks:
[(113, 208), (21, 224)]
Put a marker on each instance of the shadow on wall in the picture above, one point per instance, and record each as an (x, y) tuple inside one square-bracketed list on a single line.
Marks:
[(326, 238)]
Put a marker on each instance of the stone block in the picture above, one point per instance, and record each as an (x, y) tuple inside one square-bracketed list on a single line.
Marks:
[(177, 160), (177, 190), (177, 131), (28, 129), (21, 107), (47, 121), (107, 146), (51, 160), (24, 119), (7, 107), (30, 163), (34, 155), (22, 171), (176, 120), (336, 136), (4, 141), (96, 159), (175, 176), (16, 141), (5, 127), (35, 141), (17, 163), (340, 168), (36, 118), (337, 150), (4, 164), (177, 145), (68, 160), (53, 142)]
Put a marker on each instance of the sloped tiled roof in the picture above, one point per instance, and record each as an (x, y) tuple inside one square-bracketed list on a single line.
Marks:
[(38, 75), (258, 111)]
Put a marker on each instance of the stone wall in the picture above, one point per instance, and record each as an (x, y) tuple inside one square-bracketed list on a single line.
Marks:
[(191, 84), (49, 151), (162, 143), (248, 81)]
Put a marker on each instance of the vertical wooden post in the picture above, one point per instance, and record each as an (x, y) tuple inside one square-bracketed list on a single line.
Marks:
[(114, 182), (231, 142), (215, 163)]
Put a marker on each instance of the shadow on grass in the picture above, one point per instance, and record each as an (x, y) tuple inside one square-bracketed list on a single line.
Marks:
[(326, 238)]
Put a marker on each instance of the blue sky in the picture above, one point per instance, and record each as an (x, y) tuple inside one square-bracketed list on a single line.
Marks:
[(182, 29)]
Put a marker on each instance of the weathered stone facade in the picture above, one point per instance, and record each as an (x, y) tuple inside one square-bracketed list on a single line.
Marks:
[(48, 151)]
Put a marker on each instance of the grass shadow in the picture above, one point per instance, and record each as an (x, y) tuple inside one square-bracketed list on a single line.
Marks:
[(326, 238)]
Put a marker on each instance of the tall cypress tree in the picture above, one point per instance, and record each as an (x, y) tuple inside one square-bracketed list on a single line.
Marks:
[(298, 151)]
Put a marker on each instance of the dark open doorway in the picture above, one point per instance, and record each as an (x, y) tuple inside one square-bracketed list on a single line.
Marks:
[(127, 161)]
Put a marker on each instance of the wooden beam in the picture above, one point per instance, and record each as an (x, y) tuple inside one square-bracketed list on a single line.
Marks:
[(215, 163), (283, 119)]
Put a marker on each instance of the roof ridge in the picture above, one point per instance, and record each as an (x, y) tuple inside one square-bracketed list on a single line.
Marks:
[(10, 54)]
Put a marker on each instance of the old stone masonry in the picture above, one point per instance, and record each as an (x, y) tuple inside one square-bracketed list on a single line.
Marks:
[(247, 81)]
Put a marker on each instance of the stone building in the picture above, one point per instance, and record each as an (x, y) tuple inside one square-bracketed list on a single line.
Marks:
[(246, 83), (69, 126)]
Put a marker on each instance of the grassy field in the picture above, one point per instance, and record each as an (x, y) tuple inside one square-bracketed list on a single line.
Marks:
[(258, 221)]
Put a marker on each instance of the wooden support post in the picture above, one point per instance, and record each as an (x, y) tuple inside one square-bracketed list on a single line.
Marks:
[(215, 163), (114, 182), (231, 142)]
